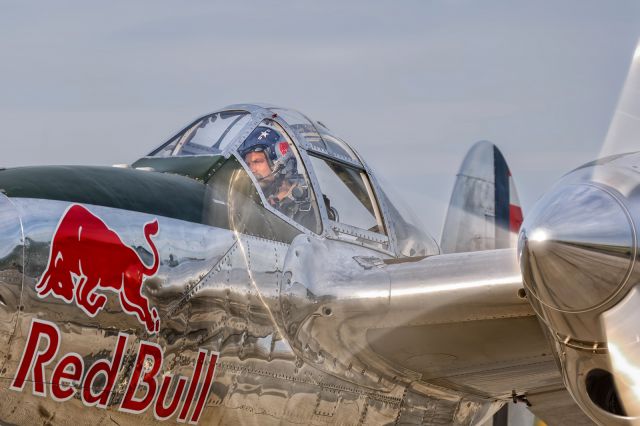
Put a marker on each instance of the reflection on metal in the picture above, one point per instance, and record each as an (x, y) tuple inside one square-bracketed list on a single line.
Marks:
[(227, 292), (316, 325), (513, 281), (539, 235), (580, 232), (621, 325), (578, 250), (484, 212), (12, 245)]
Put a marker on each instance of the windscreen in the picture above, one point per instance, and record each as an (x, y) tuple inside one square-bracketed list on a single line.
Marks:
[(347, 194), (208, 135)]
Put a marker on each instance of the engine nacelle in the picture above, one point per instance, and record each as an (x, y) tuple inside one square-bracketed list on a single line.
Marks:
[(577, 252)]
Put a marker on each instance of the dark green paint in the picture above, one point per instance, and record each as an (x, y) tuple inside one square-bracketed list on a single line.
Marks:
[(160, 194), (163, 194), (199, 167)]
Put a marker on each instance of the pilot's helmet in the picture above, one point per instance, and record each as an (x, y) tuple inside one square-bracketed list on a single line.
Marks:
[(275, 147)]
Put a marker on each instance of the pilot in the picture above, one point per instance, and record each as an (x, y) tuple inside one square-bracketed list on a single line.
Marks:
[(272, 162)]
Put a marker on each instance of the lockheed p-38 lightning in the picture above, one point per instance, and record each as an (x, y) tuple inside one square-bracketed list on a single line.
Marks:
[(252, 270)]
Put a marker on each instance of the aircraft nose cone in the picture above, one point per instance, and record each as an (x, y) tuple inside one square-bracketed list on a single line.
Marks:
[(576, 247)]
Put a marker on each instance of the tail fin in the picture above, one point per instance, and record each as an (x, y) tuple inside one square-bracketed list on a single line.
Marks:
[(484, 212)]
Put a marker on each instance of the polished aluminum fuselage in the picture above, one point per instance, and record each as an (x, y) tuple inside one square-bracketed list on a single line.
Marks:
[(259, 319), (318, 330)]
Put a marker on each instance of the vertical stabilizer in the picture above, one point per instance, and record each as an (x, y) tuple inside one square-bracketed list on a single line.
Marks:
[(484, 212)]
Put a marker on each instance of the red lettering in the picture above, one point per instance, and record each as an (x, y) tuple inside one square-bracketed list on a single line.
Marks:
[(110, 371), (63, 381), (161, 412), (147, 351), (194, 385), (33, 363), (142, 391), (206, 388)]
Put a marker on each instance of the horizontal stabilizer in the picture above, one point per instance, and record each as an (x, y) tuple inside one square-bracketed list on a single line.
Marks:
[(484, 212)]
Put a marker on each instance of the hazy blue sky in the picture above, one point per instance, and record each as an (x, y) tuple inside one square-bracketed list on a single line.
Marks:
[(410, 84)]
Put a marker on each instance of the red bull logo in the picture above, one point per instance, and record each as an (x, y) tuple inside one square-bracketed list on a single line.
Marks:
[(147, 388), (87, 256)]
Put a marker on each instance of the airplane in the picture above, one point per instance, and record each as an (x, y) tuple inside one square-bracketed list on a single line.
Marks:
[(252, 270)]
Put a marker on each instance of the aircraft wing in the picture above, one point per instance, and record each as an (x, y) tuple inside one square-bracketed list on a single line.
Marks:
[(457, 321), (557, 407)]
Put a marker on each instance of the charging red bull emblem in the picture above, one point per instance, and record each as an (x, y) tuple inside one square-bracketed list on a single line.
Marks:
[(87, 256), (86, 259)]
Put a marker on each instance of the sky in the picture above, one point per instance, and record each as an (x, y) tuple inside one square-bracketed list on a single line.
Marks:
[(410, 84)]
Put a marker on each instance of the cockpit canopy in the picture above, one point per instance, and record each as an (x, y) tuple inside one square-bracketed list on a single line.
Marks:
[(304, 174), (208, 135)]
